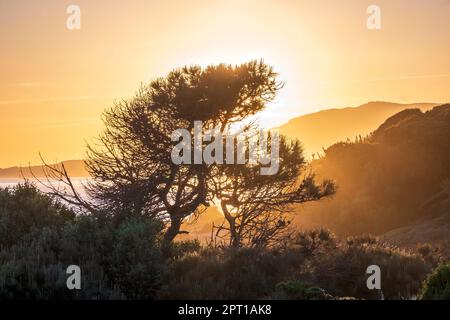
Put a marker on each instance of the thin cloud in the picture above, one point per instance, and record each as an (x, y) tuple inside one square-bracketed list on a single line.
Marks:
[(83, 123), (38, 84), (60, 99), (431, 76)]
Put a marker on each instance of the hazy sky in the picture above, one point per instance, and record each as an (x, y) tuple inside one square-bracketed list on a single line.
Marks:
[(54, 82)]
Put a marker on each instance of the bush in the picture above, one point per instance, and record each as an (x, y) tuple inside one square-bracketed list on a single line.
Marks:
[(216, 273), (185, 247), (435, 254), (136, 262), (117, 262), (437, 284), (342, 272), (315, 265), (297, 290), (314, 242), (23, 209), (40, 238), (35, 268)]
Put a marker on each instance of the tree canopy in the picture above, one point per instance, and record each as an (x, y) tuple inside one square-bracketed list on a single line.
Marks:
[(133, 173)]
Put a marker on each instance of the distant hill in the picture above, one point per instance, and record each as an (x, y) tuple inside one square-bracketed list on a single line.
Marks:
[(391, 182), (75, 168), (322, 129)]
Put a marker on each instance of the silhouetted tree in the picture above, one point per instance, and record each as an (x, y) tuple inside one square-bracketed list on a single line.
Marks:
[(131, 166), (133, 173), (256, 207)]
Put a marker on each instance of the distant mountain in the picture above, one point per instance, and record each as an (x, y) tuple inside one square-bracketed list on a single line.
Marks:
[(75, 168), (391, 182), (322, 129)]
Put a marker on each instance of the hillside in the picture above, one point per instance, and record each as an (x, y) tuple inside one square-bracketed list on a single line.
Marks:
[(322, 129), (396, 178), (75, 168)]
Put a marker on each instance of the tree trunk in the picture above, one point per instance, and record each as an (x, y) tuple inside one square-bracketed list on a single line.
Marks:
[(234, 238), (172, 231)]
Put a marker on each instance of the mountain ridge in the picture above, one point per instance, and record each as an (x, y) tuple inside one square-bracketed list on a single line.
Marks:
[(321, 129), (75, 168)]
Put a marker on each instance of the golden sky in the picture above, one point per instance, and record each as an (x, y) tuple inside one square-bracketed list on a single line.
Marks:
[(55, 82)]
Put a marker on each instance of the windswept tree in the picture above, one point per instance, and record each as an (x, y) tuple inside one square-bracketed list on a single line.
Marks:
[(131, 166)]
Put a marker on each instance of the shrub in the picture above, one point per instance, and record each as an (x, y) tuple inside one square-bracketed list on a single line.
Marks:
[(342, 272), (182, 248), (314, 242), (122, 261), (40, 238), (297, 290), (36, 269), (315, 265), (136, 262), (24, 209), (437, 284), (214, 273), (435, 254)]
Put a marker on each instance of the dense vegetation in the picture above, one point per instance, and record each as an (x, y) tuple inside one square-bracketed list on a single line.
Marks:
[(40, 238), (437, 284)]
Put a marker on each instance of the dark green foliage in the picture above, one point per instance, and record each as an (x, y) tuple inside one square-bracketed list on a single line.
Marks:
[(34, 269), (122, 261), (313, 262), (297, 290), (342, 271), (135, 260), (437, 284), (245, 273), (24, 209)]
